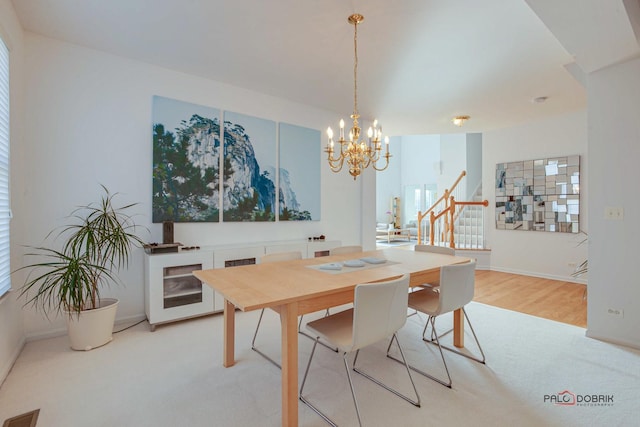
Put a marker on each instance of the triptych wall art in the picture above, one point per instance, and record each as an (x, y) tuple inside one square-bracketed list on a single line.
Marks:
[(205, 172), (539, 195)]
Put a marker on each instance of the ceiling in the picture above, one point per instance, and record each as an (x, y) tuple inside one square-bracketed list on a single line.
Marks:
[(421, 62)]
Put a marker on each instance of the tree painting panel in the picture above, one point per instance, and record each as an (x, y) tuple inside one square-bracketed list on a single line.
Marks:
[(249, 168), (186, 161), (299, 182)]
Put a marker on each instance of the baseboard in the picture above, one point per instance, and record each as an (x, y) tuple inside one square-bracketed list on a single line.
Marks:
[(47, 334), (130, 320), (482, 257), (7, 368), (63, 331), (540, 275), (612, 341)]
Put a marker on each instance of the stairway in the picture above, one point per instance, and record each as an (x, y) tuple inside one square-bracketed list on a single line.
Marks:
[(469, 226)]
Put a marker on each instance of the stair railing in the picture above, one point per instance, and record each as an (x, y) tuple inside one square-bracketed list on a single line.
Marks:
[(451, 213), (441, 205)]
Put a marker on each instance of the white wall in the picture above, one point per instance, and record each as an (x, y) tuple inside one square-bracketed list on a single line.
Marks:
[(11, 326), (389, 182), (614, 159), (474, 162), (420, 156), (453, 149), (89, 122), (542, 254), (419, 166)]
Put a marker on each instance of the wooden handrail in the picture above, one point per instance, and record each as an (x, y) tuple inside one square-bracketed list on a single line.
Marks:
[(484, 203), (445, 197), (451, 211), (455, 184)]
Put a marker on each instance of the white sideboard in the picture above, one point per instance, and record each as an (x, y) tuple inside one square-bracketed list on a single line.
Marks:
[(172, 292)]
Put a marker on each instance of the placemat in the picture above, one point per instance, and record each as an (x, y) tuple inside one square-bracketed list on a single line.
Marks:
[(340, 267)]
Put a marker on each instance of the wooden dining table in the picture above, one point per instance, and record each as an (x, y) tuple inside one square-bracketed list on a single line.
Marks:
[(294, 288)]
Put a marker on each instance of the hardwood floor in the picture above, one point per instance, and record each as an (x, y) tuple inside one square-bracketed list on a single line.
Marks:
[(551, 299)]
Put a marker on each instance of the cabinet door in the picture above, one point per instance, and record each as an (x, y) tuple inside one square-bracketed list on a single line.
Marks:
[(321, 248), (172, 291)]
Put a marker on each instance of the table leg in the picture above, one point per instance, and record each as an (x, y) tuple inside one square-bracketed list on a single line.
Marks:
[(289, 326), (229, 334), (458, 328)]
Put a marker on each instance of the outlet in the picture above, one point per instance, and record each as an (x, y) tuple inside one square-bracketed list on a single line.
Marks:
[(615, 213), (616, 312)]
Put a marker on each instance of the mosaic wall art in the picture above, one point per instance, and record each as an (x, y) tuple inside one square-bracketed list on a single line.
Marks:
[(539, 195)]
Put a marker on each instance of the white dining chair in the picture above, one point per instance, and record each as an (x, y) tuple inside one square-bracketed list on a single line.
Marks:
[(456, 290), (379, 311), (345, 250), (277, 257), (274, 257), (435, 249), (445, 250)]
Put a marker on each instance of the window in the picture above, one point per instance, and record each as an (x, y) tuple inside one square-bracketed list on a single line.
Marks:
[(5, 212)]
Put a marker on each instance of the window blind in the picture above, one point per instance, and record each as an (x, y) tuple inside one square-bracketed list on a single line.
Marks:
[(5, 211)]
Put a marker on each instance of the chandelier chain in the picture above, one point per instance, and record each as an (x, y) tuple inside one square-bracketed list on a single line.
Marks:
[(355, 69)]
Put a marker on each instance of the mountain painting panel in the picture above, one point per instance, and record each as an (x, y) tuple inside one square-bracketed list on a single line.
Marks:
[(249, 192), (186, 161), (299, 181)]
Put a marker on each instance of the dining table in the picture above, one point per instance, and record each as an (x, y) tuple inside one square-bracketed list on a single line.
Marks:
[(294, 288)]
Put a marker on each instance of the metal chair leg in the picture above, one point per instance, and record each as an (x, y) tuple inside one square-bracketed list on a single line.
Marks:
[(353, 391), (304, 380), (255, 334), (421, 372), (351, 386), (453, 350), (404, 362), (253, 342)]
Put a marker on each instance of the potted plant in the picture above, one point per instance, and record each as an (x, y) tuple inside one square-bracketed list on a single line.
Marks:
[(583, 268), (97, 244)]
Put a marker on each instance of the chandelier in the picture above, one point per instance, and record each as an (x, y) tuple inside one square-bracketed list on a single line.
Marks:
[(459, 120), (358, 153)]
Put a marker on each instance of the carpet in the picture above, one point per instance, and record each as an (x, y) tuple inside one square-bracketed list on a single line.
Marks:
[(174, 376)]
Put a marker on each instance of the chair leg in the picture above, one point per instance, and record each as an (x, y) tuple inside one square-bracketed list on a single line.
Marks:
[(253, 343), (255, 334), (404, 362), (353, 391), (444, 362), (468, 356), (304, 380)]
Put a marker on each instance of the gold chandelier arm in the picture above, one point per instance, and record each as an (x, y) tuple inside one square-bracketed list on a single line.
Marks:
[(386, 163), (335, 163)]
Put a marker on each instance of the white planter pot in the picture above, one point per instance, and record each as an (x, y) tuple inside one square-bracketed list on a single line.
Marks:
[(93, 328)]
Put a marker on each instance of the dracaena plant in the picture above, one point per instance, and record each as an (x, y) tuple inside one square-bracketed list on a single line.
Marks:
[(583, 267), (97, 244)]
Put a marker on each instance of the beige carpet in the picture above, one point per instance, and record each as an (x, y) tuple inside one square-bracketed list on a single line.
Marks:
[(174, 377)]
